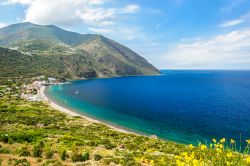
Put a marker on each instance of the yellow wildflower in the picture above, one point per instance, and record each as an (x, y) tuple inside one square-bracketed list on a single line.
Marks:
[(248, 160), (180, 163), (221, 146), (232, 141), (223, 140), (203, 147), (195, 162), (177, 157), (214, 140), (188, 159), (229, 154), (219, 150), (248, 141), (190, 146), (211, 145), (184, 153)]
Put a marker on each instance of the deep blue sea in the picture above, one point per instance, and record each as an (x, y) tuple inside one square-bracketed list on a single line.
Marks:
[(183, 106)]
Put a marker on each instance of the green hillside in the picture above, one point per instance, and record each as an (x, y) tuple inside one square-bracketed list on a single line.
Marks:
[(52, 51), (16, 64)]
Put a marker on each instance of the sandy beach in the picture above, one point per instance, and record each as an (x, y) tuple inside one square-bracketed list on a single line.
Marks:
[(72, 113)]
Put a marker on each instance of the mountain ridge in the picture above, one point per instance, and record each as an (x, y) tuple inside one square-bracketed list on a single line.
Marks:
[(96, 54)]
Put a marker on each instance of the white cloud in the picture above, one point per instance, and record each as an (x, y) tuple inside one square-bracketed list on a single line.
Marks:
[(224, 51), (131, 9), (242, 19), (97, 16), (2, 25), (231, 23), (70, 12)]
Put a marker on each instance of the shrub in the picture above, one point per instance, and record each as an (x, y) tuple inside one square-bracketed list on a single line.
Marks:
[(85, 156), (16, 162), (41, 144), (21, 137), (49, 153), (39, 160), (52, 163), (4, 150), (76, 157), (37, 151), (97, 157), (80, 157), (4, 138), (108, 144), (63, 154), (24, 151)]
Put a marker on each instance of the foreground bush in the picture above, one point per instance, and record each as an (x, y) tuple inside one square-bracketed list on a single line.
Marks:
[(63, 154), (97, 157), (80, 157), (49, 153), (24, 151), (38, 150), (16, 162)]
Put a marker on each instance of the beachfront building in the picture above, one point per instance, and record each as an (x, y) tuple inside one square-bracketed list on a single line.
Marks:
[(32, 92), (52, 80)]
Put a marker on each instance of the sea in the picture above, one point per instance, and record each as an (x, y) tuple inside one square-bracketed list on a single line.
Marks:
[(185, 106)]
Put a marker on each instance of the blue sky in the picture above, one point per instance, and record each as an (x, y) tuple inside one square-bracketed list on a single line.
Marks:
[(171, 34)]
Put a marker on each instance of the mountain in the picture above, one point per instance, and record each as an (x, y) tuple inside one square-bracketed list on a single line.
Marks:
[(28, 31), (52, 51), (18, 64)]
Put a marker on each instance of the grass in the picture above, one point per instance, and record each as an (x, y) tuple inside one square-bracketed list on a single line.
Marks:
[(35, 134)]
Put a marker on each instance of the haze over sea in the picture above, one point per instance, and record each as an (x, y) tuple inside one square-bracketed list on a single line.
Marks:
[(183, 106)]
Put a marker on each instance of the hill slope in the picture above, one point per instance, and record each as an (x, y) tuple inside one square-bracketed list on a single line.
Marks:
[(16, 64), (59, 53)]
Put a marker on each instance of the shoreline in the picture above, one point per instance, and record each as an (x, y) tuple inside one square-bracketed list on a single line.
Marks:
[(73, 113)]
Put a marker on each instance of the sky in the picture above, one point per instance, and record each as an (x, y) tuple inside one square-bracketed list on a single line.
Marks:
[(170, 34)]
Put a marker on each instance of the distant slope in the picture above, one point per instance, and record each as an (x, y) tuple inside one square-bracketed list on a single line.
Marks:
[(120, 59), (16, 64), (60, 53)]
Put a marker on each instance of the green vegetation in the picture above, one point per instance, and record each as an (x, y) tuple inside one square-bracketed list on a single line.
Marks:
[(49, 153), (51, 51), (38, 150), (16, 162), (35, 134), (24, 151)]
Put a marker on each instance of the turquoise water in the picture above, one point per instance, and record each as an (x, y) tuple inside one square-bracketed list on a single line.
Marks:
[(184, 106)]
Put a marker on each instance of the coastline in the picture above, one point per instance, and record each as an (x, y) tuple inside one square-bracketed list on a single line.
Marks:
[(73, 113)]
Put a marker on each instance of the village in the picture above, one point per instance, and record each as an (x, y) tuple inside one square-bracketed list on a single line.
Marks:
[(34, 91)]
